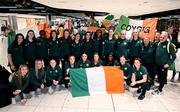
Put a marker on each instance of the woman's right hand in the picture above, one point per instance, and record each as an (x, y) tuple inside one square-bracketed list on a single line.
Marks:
[(133, 84), (23, 101), (16, 92), (13, 67)]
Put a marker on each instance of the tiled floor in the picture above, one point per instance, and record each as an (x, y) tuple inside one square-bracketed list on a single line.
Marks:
[(62, 101)]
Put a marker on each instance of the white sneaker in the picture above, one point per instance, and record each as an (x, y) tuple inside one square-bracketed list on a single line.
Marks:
[(32, 93), (133, 91), (50, 90), (38, 91), (13, 101), (28, 96), (57, 88)]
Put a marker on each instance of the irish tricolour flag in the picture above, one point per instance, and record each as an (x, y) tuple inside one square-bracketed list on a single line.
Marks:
[(146, 27), (96, 80)]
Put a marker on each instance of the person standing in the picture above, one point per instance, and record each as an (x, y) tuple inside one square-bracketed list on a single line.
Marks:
[(134, 46), (76, 47), (54, 46), (65, 50), (42, 47), (16, 53), (97, 42), (87, 45), (122, 45), (147, 55), (5, 93), (165, 56), (172, 37), (65, 45), (109, 44), (30, 49)]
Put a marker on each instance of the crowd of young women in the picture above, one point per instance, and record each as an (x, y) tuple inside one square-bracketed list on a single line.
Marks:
[(41, 64)]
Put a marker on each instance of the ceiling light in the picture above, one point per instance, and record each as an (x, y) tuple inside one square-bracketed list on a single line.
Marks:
[(39, 7), (7, 7), (23, 10)]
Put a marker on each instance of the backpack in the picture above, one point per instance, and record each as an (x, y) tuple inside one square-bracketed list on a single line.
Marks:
[(172, 66), (168, 46)]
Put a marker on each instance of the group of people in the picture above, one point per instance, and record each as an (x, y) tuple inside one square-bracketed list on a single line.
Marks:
[(41, 64)]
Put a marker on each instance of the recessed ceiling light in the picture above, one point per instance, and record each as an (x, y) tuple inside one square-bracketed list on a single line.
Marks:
[(145, 2)]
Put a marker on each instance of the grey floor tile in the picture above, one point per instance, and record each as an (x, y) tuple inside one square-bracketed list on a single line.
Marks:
[(20, 108), (5, 109)]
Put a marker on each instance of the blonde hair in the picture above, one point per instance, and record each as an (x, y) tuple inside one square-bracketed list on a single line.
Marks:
[(36, 68), (20, 67), (19, 75), (132, 37)]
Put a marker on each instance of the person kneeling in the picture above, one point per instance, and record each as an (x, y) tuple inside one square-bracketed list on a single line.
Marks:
[(53, 76), (140, 78), (127, 69), (19, 84), (37, 77)]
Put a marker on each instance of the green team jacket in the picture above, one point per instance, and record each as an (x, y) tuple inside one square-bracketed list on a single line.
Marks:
[(165, 54)]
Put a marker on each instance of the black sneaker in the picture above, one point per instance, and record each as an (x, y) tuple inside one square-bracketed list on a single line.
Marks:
[(158, 92), (66, 86), (139, 90), (28, 96), (141, 97)]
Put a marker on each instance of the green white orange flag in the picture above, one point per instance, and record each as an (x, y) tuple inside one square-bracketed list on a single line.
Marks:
[(96, 80), (146, 27)]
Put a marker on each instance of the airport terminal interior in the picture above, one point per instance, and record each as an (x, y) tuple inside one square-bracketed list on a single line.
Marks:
[(152, 20)]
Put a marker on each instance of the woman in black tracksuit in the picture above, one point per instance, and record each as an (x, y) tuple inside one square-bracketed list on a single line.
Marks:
[(30, 49), (37, 77), (54, 46), (19, 84), (16, 53)]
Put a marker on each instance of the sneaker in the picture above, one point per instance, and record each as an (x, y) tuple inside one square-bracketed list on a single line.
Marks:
[(172, 80), (38, 92), (28, 96), (50, 90), (141, 97), (57, 88), (17, 98), (45, 90), (32, 93), (13, 101), (126, 87), (66, 86), (153, 87), (134, 93), (158, 92), (139, 90)]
